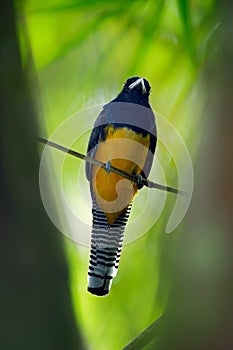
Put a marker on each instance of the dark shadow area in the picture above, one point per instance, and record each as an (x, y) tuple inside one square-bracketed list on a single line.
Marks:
[(35, 303)]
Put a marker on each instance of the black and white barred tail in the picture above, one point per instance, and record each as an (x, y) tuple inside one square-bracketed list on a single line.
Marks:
[(106, 246)]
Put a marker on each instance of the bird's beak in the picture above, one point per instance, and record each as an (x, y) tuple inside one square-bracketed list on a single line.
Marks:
[(138, 81)]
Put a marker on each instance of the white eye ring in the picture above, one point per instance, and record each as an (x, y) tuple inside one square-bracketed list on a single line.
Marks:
[(135, 83)]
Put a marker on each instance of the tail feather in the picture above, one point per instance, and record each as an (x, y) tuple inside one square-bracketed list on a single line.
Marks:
[(106, 246)]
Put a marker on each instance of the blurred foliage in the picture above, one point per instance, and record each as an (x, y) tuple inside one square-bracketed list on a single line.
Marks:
[(82, 52)]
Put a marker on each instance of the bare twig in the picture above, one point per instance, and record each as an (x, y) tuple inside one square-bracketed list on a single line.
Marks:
[(123, 173), (145, 337)]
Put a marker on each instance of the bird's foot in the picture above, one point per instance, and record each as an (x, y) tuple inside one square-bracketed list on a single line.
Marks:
[(139, 179), (108, 167)]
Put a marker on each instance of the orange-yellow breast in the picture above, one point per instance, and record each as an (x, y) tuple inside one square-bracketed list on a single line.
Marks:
[(126, 150)]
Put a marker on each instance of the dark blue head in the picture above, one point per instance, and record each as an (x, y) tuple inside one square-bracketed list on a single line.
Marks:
[(139, 85), (135, 90)]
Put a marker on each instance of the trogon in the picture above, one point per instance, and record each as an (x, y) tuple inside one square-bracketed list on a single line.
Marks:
[(124, 136)]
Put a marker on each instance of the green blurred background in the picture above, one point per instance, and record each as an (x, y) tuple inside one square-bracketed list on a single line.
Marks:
[(76, 54)]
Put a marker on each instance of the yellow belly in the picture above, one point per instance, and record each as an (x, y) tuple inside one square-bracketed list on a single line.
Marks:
[(126, 150)]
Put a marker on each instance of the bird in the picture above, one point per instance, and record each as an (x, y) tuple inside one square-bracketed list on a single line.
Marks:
[(124, 136)]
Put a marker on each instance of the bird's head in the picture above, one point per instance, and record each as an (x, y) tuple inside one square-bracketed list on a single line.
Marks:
[(137, 84)]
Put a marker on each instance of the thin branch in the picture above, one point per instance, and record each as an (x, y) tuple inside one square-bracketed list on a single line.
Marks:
[(143, 181), (146, 337)]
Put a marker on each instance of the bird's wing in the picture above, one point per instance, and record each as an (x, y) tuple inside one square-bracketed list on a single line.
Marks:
[(151, 152), (95, 138)]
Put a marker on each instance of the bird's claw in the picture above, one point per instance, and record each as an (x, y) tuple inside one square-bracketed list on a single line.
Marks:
[(139, 179), (108, 167)]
